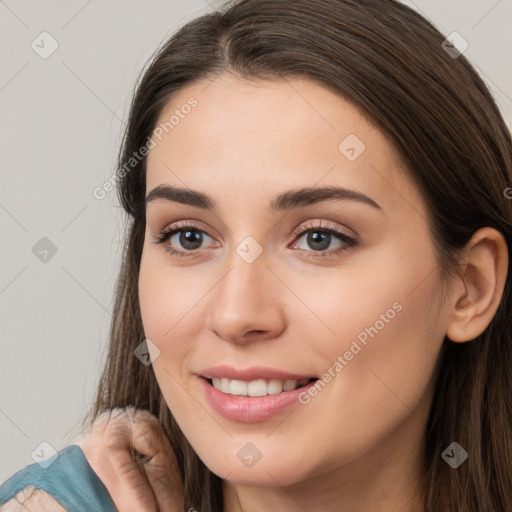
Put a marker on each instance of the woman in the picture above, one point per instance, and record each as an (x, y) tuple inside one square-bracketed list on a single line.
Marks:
[(317, 262)]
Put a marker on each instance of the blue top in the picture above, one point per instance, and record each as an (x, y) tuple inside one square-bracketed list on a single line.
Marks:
[(69, 478)]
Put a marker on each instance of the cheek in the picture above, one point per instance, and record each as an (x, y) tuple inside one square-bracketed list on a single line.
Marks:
[(378, 341), (381, 300), (169, 304), (169, 299)]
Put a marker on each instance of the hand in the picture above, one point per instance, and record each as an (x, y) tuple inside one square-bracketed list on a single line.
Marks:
[(131, 455)]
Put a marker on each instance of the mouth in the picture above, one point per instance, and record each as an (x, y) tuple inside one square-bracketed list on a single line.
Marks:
[(253, 394), (257, 387), (260, 397)]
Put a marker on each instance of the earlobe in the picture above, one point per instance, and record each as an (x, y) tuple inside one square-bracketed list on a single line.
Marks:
[(483, 281)]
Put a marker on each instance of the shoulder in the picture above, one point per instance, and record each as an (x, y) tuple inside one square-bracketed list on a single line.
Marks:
[(67, 480), (31, 499)]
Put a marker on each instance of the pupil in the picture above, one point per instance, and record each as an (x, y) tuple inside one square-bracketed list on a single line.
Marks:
[(323, 239), (188, 238)]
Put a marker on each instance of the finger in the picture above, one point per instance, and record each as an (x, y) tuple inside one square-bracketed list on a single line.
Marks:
[(130, 484), (109, 454), (162, 472)]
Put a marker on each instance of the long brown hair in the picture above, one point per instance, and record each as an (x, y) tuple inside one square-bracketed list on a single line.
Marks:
[(389, 62)]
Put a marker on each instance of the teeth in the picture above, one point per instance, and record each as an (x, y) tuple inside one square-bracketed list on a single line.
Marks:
[(274, 387), (238, 387), (289, 385), (224, 385), (258, 387)]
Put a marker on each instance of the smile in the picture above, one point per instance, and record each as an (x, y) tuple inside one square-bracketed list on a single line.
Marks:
[(259, 387), (251, 395)]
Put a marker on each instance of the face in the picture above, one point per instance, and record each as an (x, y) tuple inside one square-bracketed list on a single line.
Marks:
[(335, 290)]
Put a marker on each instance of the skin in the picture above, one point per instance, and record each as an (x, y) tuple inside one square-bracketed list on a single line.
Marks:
[(357, 445), (31, 499), (148, 485)]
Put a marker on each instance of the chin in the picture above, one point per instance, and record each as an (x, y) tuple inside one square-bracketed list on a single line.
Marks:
[(272, 469)]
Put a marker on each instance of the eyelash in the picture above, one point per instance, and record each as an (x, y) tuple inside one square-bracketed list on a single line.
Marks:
[(168, 232)]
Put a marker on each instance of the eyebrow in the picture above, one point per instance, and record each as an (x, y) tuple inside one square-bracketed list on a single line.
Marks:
[(285, 201)]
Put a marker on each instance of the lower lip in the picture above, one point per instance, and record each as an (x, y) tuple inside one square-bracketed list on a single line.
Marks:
[(250, 409)]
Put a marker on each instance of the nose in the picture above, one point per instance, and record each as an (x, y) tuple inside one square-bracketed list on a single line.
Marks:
[(246, 305)]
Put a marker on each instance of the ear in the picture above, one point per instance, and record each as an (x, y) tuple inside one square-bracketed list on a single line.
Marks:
[(484, 272)]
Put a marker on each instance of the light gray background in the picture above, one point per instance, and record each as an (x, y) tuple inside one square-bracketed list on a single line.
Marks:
[(61, 123)]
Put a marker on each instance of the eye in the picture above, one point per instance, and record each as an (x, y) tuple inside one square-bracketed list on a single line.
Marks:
[(319, 238), (188, 235)]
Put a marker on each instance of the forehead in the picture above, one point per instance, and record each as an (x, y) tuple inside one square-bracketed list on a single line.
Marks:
[(261, 135)]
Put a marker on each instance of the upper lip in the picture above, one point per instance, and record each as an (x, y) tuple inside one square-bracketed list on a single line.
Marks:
[(252, 373)]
